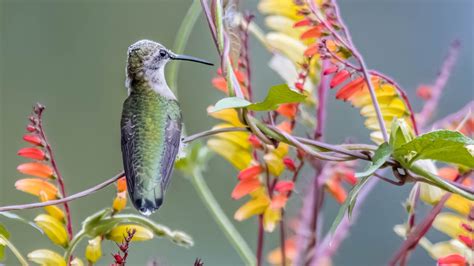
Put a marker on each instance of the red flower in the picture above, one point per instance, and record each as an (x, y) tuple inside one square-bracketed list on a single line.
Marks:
[(289, 163), (33, 139), (32, 153), (339, 78), (452, 260)]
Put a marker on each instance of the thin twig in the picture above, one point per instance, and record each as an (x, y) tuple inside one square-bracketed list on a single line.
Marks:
[(66, 199), (422, 228), (260, 240), (322, 98)]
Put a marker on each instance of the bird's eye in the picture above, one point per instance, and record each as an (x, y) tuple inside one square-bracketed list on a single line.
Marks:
[(163, 53)]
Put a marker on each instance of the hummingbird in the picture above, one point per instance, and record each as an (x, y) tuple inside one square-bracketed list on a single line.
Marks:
[(150, 124)]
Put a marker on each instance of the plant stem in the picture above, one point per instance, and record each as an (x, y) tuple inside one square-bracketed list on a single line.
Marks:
[(282, 238), (221, 219), (14, 250), (56, 170), (181, 40), (73, 244), (260, 240), (322, 98), (63, 200)]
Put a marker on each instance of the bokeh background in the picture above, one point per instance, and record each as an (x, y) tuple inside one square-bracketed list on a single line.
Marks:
[(70, 56)]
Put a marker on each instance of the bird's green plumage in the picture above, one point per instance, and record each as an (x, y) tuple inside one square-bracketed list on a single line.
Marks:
[(152, 124)]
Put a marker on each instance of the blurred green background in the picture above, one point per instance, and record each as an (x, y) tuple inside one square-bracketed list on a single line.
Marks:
[(70, 56)]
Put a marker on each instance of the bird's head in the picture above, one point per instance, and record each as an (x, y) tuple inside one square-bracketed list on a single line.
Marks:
[(148, 58)]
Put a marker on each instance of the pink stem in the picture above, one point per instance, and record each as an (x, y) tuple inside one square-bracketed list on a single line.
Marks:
[(260, 240), (322, 98), (56, 170)]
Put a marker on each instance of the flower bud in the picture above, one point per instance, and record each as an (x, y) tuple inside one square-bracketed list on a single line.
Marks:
[(94, 250), (46, 257)]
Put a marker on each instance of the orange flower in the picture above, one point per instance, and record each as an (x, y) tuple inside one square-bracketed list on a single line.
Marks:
[(32, 153), (288, 110), (248, 181), (250, 172), (122, 184), (337, 191), (245, 187), (275, 257), (36, 169), (34, 186)]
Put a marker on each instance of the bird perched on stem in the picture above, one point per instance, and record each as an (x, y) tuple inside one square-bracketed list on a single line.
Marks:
[(150, 125)]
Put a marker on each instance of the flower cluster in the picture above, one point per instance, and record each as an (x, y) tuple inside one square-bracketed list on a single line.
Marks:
[(55, 223), (458, 224)]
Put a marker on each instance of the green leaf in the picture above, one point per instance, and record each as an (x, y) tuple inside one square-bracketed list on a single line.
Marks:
[(101, 223), (277, 95), (4, 233), (382, 154), (16, 217), (230, 102), (442, 145)]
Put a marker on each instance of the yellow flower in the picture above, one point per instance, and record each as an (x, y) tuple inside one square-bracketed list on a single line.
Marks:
[(233, 146), (53, 228), (257, 205), (120, 201), (451, 224), (46, 257), (52, 210), (285, 8), (271, 217), (94, 250), (274, 163), (141, 234)]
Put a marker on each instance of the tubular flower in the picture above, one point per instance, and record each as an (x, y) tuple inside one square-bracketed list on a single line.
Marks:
[(141, 234), (35, 186), (233, 146), (337, 173), (293, 38), (275, 258), (120, 201), (261, 204), (357, 93), (46, 257), (32, 153), (53, 228), (52, 210), (36, 169), (94, 250)]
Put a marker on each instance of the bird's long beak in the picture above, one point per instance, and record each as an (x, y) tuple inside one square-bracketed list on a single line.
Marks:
[(174, 56)]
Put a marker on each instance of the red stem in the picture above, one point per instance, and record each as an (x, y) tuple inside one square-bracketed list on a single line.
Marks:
[(419, 231), (322, 98), (260, 240), (282, 238), (56, 170)]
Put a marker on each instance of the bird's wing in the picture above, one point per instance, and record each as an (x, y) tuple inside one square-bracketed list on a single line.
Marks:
[(128, 143), (173, 139)]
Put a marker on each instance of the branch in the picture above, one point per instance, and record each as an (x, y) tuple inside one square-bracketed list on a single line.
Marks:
[(63, 200)]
